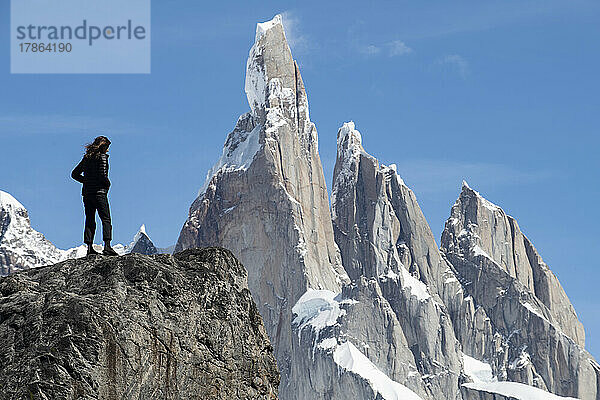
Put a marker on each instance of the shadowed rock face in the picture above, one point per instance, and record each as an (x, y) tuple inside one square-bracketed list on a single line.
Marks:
[(142, 244), (134, 327)]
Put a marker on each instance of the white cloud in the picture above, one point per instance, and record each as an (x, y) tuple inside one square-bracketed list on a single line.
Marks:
[(393, 49), (398, 48), (370, 50), (298, 41), (457, 63)]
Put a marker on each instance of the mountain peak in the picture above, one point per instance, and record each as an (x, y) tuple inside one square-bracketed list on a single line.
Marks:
[(348, 131), (468, 192), (349, 142), (263, 27), (269, 63), (7, 200), (142, 243)]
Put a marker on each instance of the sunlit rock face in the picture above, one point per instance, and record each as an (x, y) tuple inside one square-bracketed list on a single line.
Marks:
[(539, 339)]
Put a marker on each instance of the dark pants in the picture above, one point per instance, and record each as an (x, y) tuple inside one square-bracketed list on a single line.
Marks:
[(96, 202)]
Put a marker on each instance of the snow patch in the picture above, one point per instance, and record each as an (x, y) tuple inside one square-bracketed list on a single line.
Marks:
[(522, 361), (263, 27), (483, 380), (317, 309), (479, 371), (416, 287), (534, 310), (348, 357), (478, 251), (393, 168), (515, 390), (7, 200), (486, 203), (239, 158), (328, 343), (256, 80)]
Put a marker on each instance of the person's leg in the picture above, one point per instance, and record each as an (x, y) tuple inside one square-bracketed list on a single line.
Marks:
[(89, 204), (104, 213)]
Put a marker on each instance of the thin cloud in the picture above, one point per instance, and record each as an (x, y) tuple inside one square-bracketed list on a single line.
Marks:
[(455, 62), (398, 48), (369, 50), (298, 41), (392, 49)]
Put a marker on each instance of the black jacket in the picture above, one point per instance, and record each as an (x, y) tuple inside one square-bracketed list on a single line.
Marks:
[(93, 173)]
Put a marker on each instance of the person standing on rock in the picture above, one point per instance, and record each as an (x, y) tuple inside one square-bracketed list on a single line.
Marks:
[(92, 171)]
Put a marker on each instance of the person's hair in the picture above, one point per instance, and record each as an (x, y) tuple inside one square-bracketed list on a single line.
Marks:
[(97, 147)]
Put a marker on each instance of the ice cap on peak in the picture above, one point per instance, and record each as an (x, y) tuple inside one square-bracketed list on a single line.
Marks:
[(140, 232), (256, 79), (465, 185), (7, 199), (348, 130), (263, 27)]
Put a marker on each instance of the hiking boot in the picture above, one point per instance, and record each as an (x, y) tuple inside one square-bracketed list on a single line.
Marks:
[(109, 251), (91, 250)]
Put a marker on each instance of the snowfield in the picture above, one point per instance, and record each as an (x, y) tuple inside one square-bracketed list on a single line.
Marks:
[(483, 380)]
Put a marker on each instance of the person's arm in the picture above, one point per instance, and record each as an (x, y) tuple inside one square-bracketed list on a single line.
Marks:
[(77, 173), (104, 170)]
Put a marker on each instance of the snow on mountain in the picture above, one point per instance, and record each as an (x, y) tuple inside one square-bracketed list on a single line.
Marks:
[(266, 200), (22, 247), (483, 381), (384, 239), (238, 153), (533, 335), (141, 243), (348, 357)]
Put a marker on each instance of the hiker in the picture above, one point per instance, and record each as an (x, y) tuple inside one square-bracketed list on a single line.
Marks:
[(92, 171)]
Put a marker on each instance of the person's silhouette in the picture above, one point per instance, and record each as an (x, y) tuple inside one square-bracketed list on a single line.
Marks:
[(92, 171)]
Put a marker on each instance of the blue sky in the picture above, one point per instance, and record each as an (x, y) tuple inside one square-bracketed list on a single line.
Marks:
[(503, 94)]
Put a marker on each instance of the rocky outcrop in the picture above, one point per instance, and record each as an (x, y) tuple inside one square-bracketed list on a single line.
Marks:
[(134, 327), (266, 199), (539, 340)]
